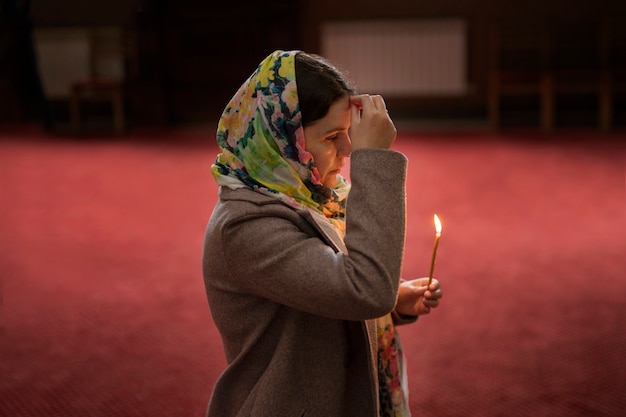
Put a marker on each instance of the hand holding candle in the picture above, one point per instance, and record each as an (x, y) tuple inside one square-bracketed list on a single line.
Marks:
[(437, 236)]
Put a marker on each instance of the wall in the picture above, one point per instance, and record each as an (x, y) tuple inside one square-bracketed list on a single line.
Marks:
[(83, 13), (480, 15), (192, 55)]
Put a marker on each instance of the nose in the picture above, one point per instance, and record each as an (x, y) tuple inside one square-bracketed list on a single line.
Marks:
[(344, 146)]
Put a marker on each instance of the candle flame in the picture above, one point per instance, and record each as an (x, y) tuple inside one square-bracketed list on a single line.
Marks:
[(437, 225)]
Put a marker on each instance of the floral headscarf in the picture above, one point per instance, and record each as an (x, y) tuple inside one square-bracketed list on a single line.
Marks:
[(261, 138)]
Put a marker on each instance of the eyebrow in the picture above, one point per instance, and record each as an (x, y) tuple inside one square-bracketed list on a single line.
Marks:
[(335, 130)]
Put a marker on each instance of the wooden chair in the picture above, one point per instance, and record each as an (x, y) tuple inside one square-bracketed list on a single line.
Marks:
[(519, 66), (580, 67), (614, 84), (109, 54)]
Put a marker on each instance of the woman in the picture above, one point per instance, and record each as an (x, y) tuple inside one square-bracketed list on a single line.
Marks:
[(303, 283)]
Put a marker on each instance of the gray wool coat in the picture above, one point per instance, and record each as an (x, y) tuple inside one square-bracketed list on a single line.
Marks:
[(295, 307)]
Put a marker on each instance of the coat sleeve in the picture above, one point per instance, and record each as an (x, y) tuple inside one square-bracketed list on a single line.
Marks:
[(272, 257)]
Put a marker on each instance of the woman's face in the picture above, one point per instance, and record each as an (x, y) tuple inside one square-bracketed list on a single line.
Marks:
[(328, 141)]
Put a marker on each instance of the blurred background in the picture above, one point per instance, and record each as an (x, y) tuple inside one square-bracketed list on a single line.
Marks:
[(494, 63), (511, 113)]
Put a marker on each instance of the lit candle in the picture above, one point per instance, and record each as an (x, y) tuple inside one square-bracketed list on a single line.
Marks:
[(437, 236)]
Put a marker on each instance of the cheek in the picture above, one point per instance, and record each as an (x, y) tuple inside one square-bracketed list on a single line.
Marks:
[(326, 156), (319, 150)]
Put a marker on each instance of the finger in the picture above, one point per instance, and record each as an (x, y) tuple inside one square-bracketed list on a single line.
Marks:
[(357, 100), (379, 103), (432, 295), (431, 303), (360, 99), (355, 113), (434, 285), (366, 102), (418, 289)]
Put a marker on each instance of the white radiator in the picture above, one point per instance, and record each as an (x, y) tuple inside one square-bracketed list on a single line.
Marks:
[(65, 55), (405, 58)]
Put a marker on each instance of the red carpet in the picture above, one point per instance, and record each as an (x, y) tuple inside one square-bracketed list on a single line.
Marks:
[(103, 309)]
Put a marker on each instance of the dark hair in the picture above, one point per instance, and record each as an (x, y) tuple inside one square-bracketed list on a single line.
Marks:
[(319, 85)]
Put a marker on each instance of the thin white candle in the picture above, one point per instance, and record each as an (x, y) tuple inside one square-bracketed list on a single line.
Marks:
[(437, 236)]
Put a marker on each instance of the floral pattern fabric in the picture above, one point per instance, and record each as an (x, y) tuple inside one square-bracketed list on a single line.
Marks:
[(261, 138), (262, 147), (392, 377)]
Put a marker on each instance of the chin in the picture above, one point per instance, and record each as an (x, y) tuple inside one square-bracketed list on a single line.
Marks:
[(330, 181)]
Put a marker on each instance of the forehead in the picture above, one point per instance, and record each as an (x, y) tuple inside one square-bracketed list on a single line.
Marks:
[(338, 116)]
